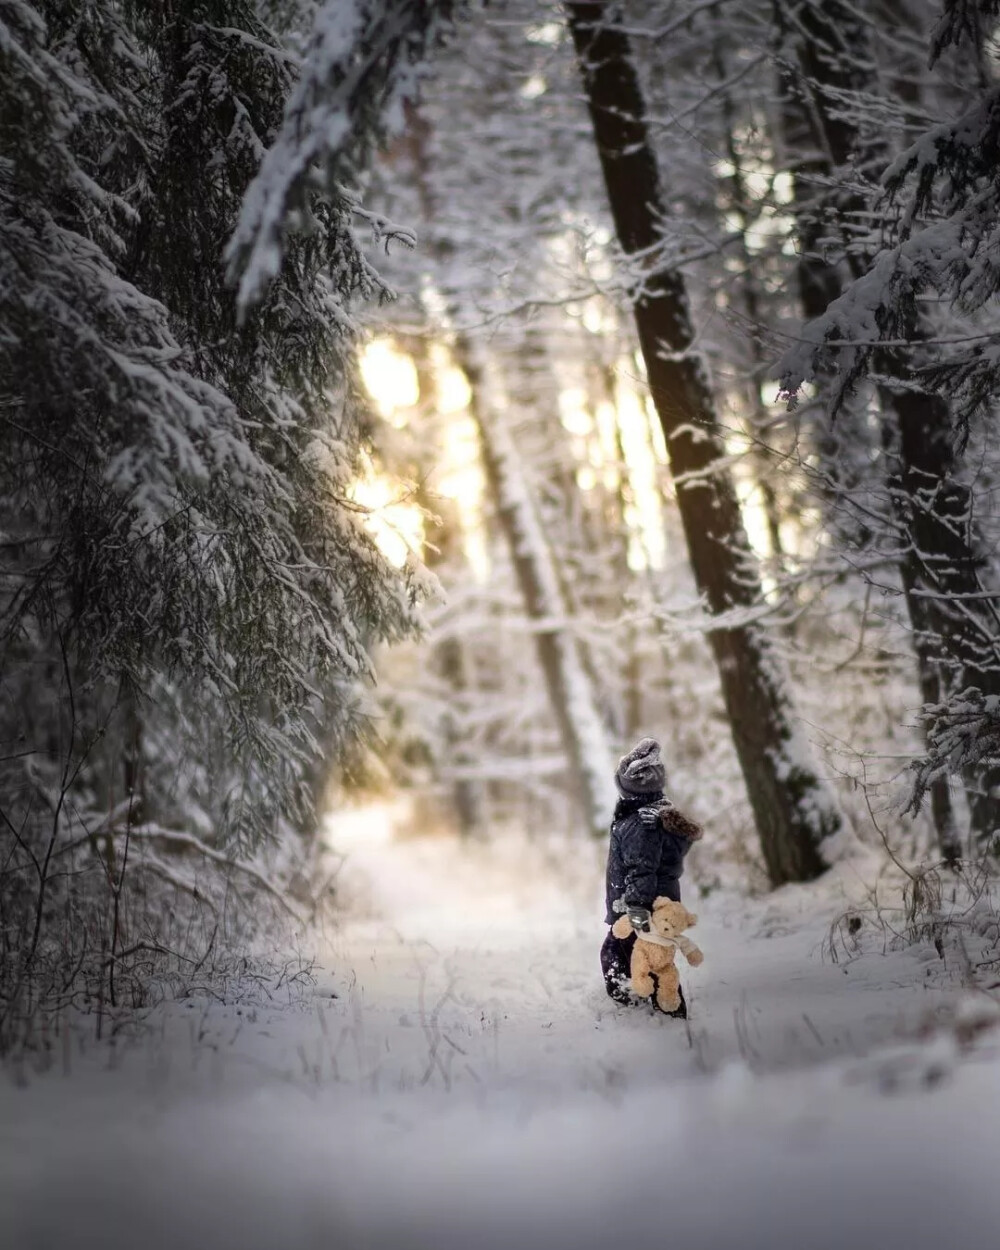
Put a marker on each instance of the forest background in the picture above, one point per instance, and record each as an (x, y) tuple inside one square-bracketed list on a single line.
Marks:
[(555, 473)]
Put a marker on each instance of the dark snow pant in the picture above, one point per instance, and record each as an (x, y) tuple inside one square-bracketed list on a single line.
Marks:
[(616, 964)]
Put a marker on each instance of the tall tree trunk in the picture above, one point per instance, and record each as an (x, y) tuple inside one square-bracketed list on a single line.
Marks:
[(531, 393), (449, 655), (796, 813), (940, 571), (631, 673), (955, 624), (750, 293), (567, 682)]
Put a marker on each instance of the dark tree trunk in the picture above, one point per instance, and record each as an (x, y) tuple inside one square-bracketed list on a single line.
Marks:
[(951, 623), (794, 809), (954, 626)]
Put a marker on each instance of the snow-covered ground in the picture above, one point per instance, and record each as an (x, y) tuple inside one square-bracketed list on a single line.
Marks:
[(457, 1078)]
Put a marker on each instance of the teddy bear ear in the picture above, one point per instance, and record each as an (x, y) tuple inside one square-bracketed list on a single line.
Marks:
[(692, 918)]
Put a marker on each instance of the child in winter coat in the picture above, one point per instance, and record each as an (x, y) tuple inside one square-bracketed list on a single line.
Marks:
[(649, 839)]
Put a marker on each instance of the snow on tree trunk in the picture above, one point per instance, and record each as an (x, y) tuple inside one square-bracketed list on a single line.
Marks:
[(751, 294), (954, 625), (816, 144), (796, 813), (573, 533), (929, 508), (567, 682), (449, 658)]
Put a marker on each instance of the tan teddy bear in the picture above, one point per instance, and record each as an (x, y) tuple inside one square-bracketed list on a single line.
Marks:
[(653, 953)]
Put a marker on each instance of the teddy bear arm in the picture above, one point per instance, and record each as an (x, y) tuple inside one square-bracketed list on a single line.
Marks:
[(691, 951)]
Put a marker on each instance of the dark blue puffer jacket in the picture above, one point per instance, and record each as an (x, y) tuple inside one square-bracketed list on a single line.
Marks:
[(646, 853)]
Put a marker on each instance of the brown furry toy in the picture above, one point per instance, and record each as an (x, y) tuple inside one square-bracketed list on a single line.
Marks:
[(653, 955)]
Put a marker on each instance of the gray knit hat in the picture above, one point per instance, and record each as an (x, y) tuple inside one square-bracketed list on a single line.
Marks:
[(641, 771)]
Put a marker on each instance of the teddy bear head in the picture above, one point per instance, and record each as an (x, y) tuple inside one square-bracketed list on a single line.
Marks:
[(669, 918)]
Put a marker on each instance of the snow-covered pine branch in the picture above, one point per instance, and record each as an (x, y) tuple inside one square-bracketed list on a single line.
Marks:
[(939, 208), (186, 602), (362, 66)]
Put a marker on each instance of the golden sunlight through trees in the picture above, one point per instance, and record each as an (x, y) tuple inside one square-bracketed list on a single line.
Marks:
[(614, 443)]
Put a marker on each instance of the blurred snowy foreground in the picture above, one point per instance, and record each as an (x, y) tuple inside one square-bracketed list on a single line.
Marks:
[(456, 1078)]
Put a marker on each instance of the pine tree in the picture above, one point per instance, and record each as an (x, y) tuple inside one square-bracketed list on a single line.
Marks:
[(187, 596)]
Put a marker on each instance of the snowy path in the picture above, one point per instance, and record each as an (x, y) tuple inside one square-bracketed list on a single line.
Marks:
[(458, 1079)]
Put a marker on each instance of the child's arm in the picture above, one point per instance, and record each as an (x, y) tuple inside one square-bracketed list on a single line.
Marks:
[(640, 846)]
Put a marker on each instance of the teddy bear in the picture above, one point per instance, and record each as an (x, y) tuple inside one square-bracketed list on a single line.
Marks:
[(653, 953)]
